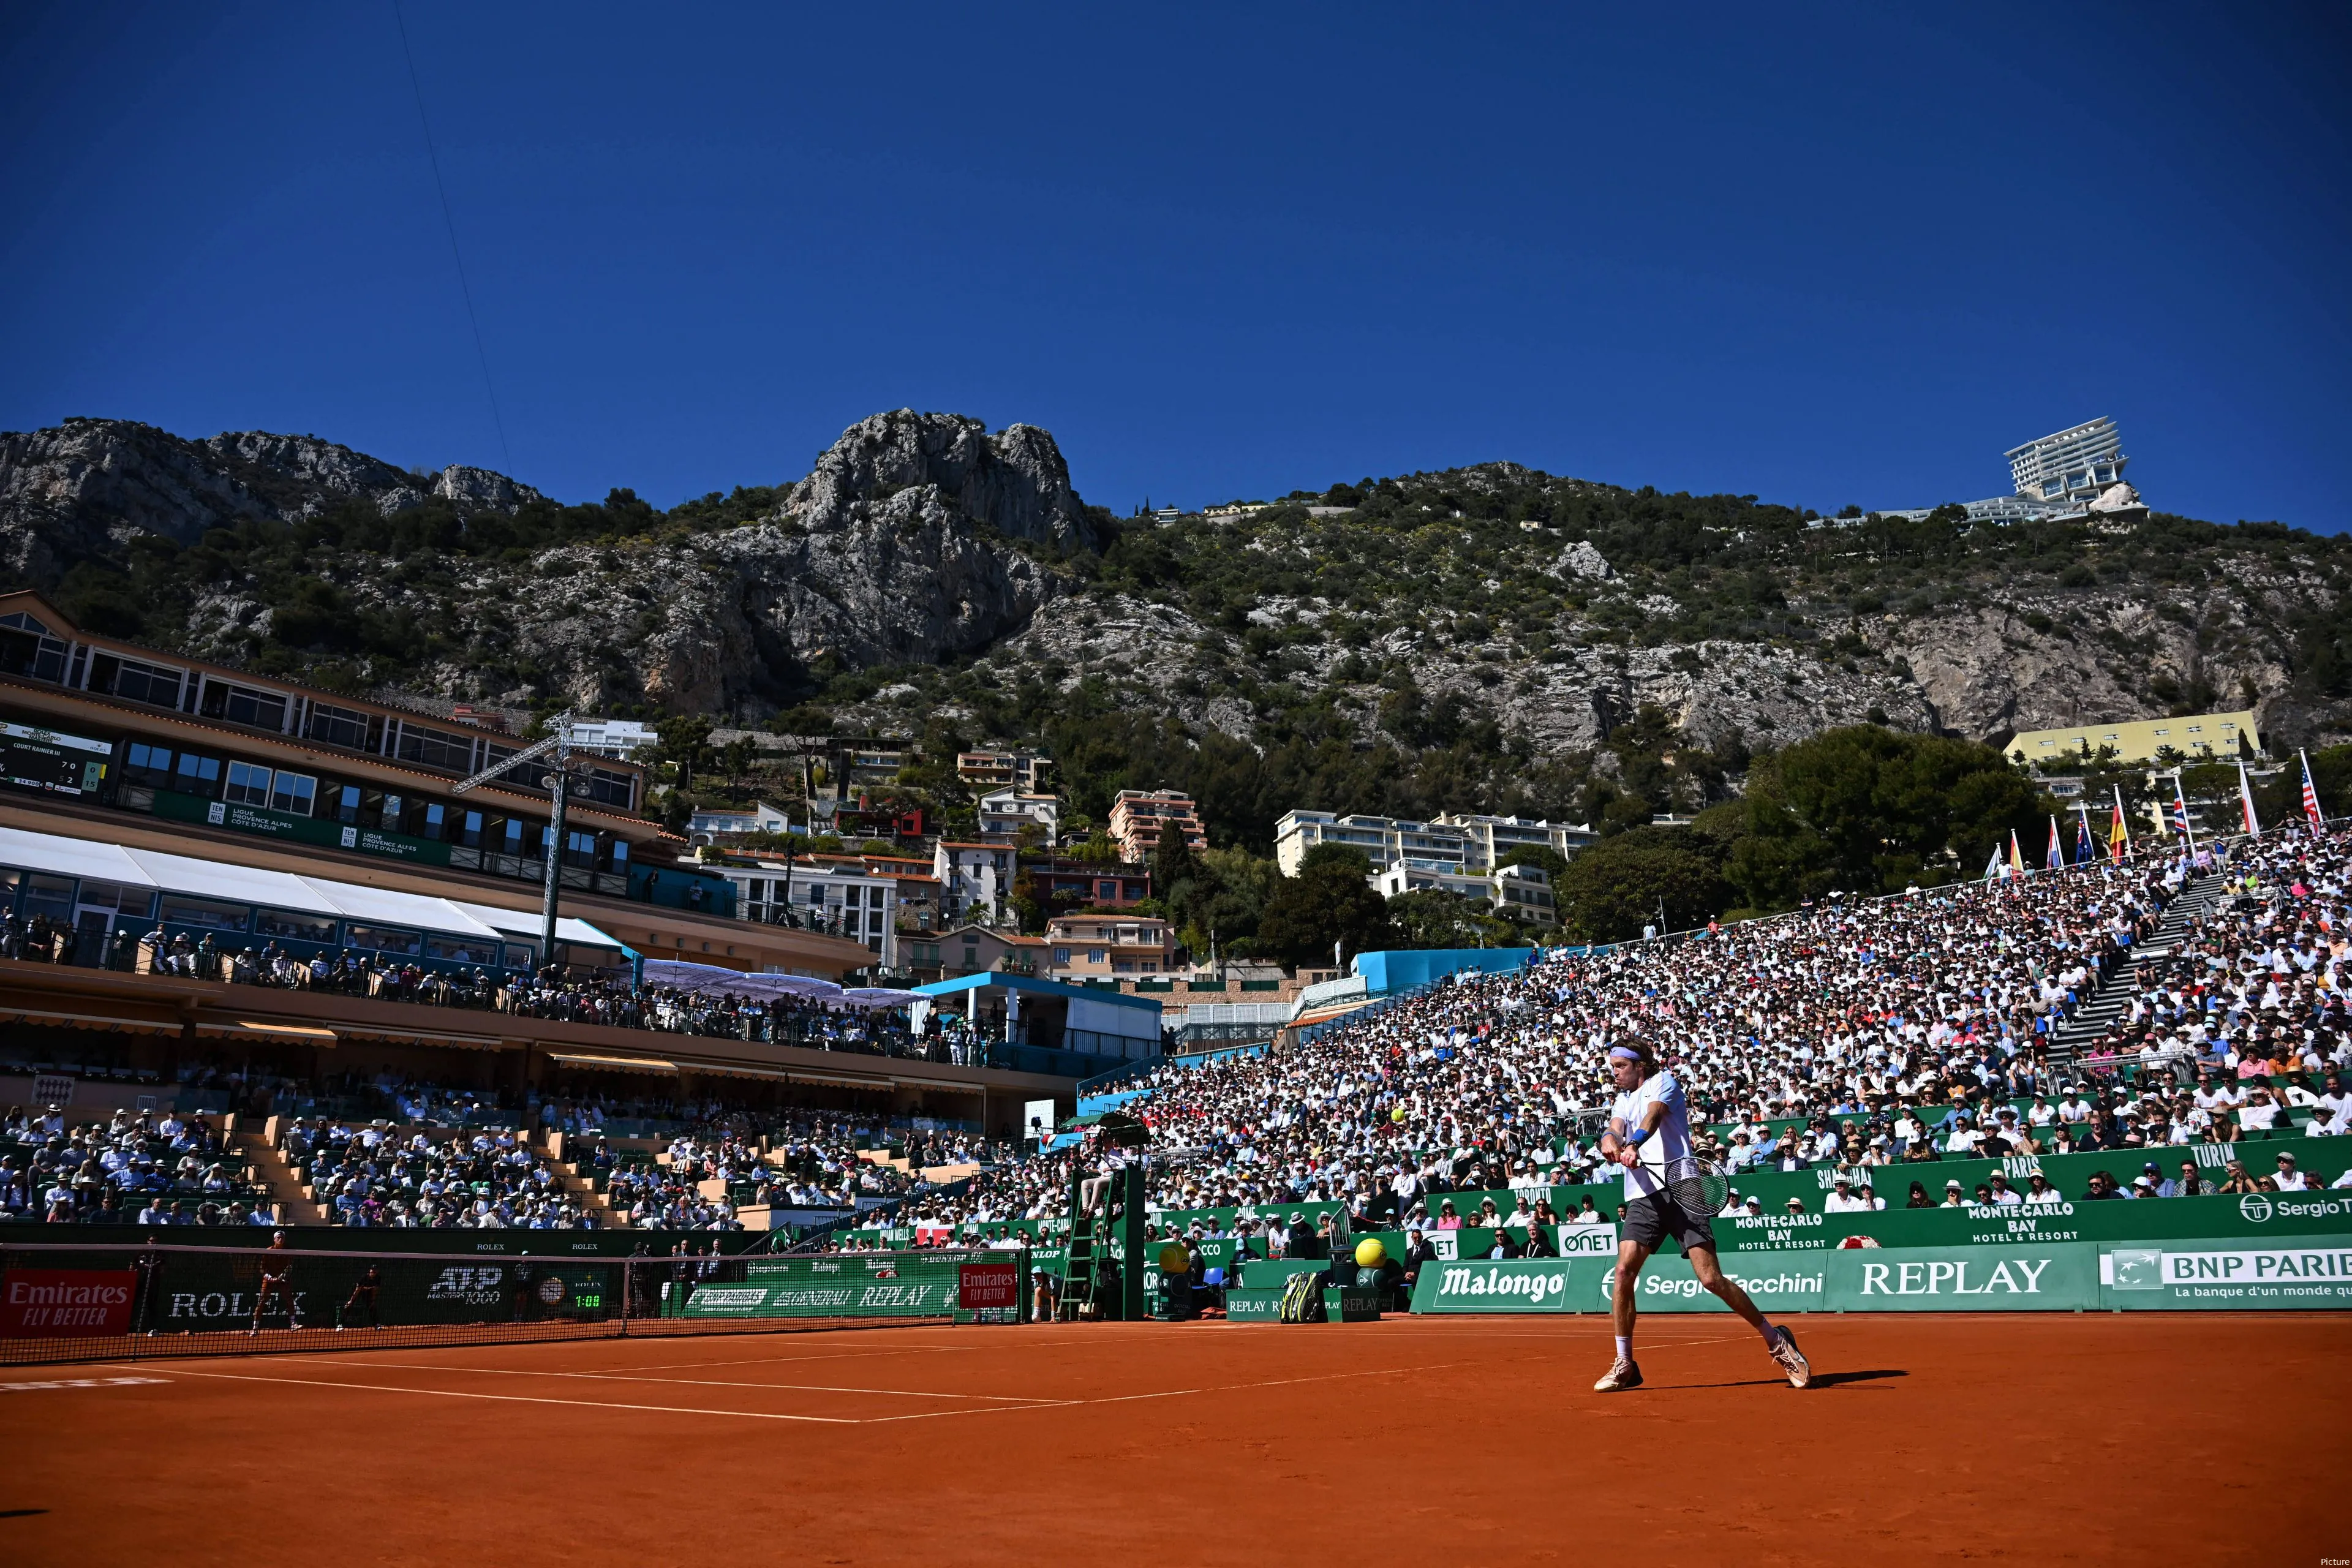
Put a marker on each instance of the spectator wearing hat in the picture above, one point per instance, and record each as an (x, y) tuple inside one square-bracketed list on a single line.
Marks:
[(1842, 1199), (1919, 1198), (1954, 1196), (2001, 1193), (2039, 1193), (2290, 1179)]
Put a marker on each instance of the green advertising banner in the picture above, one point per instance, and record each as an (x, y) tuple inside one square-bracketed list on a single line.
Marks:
[(1865, 1279), (2227, 1274), (174, 807), (2020, 1224), (192, 1293), (846, 1285)]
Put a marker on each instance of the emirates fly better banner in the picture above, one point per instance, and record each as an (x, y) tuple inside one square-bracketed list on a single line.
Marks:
[(36, 1302)]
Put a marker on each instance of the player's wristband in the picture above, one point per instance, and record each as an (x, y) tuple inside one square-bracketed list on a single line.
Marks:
[(1635, 1139)]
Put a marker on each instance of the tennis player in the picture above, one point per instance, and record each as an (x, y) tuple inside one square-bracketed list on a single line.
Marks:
[(275, 1287), (1649, 1134)]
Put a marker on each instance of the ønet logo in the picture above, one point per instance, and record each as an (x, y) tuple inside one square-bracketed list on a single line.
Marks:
[(2254, 1208)]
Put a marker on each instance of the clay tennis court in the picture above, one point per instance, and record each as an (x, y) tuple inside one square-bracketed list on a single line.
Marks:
[(2033, 1439)]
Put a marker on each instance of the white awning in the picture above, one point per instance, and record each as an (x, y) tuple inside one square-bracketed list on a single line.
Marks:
[(527, 924), (230, 882), (69, 857), (383, 906)]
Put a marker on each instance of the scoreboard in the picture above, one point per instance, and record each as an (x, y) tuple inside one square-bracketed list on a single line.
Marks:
[(51, 760)]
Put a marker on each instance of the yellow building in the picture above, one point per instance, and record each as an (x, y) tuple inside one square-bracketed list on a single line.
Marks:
[(2139, 739)]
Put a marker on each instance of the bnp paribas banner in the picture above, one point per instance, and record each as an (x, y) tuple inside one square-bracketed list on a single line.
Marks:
[(2228, 1274), (2059, 1278)]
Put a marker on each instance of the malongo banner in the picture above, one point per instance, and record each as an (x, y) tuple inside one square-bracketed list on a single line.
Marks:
[(1915, 1280)]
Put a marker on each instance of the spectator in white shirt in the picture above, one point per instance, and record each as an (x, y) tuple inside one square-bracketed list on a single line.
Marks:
[(1842, 1199), (2038, 1191), (2288, 1178), (2003, 1193)]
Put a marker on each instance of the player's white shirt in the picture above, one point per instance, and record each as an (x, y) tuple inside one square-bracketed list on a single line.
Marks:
[(1670, 1142)]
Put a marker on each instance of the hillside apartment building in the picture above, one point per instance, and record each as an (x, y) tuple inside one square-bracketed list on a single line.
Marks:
[(1137, 818), (2192, 736)]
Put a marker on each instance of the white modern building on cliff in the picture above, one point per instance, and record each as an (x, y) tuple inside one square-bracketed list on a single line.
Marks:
[(2074, 475)]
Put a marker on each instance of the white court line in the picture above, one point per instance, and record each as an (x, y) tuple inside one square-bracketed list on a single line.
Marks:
[(693, 1382), (523, 1398), (76, 1382), (1174, 1393)]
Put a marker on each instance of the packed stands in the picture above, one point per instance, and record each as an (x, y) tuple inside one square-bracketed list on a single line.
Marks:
[(1850, 1036), (133, 1168), (377, 1175)]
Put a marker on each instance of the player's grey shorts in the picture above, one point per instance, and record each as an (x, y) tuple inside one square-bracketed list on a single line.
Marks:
[(1652, 1218)]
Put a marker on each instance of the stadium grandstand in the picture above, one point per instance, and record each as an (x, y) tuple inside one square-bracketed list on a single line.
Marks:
[(1921, 1050), (263, 964)]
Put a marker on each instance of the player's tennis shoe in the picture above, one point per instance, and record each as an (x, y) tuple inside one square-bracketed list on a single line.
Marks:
[(1792, 1360), (1622, 1374)]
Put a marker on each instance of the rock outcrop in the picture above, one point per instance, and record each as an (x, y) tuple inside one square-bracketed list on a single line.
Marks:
[(1014, 482), (918, 540)]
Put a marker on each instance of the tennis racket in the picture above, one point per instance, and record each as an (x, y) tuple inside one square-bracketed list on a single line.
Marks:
[(1698, 1187)]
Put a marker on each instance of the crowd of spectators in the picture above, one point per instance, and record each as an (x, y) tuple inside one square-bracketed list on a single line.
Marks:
[(572, 996), (133, 1168), (375, 1174), (1896, 1030)]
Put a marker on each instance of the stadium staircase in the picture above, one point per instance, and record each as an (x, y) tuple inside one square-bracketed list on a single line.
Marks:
[(594, 1202), (260, 1151), (2109, 1003)]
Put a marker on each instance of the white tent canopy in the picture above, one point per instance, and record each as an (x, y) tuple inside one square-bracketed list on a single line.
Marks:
[(231, 883)]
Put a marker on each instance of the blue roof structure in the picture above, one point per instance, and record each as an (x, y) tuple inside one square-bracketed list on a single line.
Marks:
[(1402, 970)]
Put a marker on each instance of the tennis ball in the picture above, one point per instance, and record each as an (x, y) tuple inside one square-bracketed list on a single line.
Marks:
[(1369, 1253), (1174, 1259)]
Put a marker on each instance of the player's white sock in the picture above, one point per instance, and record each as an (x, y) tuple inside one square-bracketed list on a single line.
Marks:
[(1771, 1334), (1624, 1347)]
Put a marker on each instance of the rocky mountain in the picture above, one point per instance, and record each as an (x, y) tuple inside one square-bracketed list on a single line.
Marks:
[(927, 571)]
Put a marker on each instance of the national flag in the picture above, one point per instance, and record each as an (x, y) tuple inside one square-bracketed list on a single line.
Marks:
[(2311, 795), (1993, 867), (2118, 831), (2180, 812), (2016, 855), (2057, 856), (2246, 801), (2082, 834)]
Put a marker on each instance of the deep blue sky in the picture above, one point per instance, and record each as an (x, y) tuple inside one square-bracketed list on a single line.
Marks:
[(1823, 254)]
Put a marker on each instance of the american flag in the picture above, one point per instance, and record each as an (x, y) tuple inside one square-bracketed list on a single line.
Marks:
[(2311, 795)]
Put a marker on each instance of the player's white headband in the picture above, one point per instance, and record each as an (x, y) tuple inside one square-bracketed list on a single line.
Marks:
[(1628, 1052)]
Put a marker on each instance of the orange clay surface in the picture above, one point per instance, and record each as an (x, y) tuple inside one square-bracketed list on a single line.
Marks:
[(2197, 1437)]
